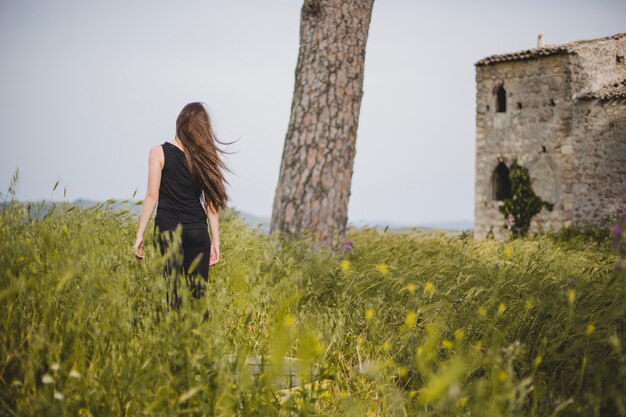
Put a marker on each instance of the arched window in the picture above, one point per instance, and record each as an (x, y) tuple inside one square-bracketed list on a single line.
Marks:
[(501, 183), (501, 99)]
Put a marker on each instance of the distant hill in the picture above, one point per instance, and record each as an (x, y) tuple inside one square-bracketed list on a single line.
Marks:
[(264, 222), (395, 226), (459, 225), (451, 225)]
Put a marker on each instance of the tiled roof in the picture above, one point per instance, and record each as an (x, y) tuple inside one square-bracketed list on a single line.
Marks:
[(522, 55), (608, 92), (567, 48)]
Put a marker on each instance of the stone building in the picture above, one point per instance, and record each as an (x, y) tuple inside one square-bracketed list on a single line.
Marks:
[(561, 112)]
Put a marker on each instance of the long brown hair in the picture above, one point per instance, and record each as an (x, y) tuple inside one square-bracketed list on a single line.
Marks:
[(193, 128)]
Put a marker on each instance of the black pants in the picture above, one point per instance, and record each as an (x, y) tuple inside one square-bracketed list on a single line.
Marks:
[(189, 259)]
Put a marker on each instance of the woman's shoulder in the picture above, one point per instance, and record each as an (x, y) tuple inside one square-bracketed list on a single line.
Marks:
[(157, 149), (156, 152)]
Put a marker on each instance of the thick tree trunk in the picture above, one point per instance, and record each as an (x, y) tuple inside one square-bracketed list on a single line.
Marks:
[(316, 170)]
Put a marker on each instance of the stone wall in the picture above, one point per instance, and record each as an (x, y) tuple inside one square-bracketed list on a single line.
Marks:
[(599, 159), (596, 64), (535, 129)]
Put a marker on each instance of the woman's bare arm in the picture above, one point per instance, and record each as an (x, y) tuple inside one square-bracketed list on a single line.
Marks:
[(155, 165), (215, 234)]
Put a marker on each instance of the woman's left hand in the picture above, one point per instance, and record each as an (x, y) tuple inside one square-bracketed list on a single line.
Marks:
[(215, 255), (138, 247)]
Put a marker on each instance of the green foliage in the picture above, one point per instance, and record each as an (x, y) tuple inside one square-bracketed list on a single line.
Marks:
[(524, 204), (398, 324), (581, 234)]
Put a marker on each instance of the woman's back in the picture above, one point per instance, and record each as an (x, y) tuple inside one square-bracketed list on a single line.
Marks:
[(179, 195), (177, 180)]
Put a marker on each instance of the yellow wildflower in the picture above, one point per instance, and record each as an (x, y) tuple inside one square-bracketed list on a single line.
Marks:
[(344, 265), (412, 393), (446, 344), (501, 308), (537, 361), (458, 334), (84, 412), (571, 295), (507, 252), (411, 319), (590, 329), (482, 311), (289, 320), (502, 376), (530, 304), (411, 288), (386, 346), (401, 371), (382, 268), (429, 288), (462, 402), (369, 314)]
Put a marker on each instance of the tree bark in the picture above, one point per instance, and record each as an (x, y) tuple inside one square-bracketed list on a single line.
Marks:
[(313, 189)]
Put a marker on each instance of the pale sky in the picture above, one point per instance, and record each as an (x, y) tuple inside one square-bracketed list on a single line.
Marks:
[(86, 88)]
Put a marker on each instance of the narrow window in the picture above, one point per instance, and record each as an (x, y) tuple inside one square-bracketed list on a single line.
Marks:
[(501, 100), (501, 183)]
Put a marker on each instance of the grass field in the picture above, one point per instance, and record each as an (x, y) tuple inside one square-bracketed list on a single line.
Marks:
[(402, 324)]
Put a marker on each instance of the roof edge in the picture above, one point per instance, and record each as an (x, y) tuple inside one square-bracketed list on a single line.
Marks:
[(567, 48)]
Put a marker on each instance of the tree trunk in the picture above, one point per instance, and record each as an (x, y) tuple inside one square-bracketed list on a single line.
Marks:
[(316, 170)]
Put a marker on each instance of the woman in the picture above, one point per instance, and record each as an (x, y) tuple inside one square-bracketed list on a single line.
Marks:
[(186, 178)]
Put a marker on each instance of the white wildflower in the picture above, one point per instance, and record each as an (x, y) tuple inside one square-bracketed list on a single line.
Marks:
[(58, 396), (47, 379)]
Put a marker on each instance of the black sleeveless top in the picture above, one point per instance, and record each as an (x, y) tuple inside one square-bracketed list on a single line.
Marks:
[(179, 194)]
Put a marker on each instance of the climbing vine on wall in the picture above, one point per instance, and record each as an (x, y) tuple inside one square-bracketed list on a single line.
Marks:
[(524, 204)]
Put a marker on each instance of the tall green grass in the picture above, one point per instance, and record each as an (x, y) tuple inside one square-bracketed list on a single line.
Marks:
[(400, 325)]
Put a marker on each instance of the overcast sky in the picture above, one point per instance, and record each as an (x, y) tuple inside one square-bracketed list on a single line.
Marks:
[(86, 88)]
